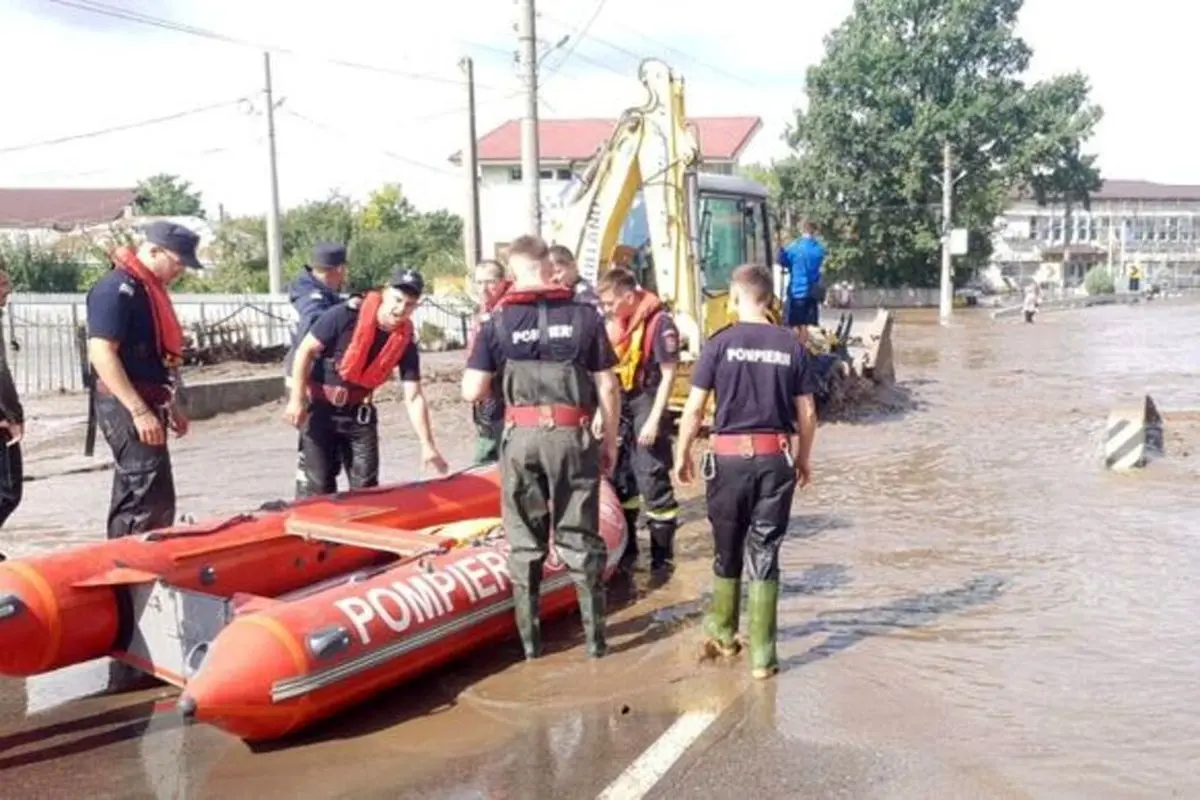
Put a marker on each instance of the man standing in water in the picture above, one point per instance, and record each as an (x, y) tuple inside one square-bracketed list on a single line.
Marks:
[(487, 414), (314, 292), (763, 429), (556, 364)]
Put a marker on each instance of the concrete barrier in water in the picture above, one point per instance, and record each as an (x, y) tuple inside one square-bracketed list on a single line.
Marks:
[(209, 398), (1134, 434), (876, 362)]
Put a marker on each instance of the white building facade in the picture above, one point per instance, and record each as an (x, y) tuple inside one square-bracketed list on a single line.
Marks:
[(1152, 227)]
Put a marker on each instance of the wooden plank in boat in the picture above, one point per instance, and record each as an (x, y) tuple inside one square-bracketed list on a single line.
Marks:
[(375, 537)]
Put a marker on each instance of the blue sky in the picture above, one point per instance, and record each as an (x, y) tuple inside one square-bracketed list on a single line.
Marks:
[(71, 71)]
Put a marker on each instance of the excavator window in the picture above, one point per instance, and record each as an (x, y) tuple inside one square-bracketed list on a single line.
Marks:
[(728, 233)]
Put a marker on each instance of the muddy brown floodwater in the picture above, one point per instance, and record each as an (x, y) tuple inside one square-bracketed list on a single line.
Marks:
[(973, 608)]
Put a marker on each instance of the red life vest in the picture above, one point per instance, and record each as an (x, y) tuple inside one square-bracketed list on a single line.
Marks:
[(168, 333), (353, 366), (531, 295), (634, 341)]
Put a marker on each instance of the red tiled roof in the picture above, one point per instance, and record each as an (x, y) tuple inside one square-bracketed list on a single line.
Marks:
[(721, 138), (45, 208)]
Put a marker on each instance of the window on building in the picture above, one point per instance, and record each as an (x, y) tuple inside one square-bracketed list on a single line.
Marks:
[(514, 174), (1172, 229), (1056, 230), (1035, 228), (562, 174)]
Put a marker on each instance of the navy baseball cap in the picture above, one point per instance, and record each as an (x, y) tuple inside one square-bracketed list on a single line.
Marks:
[(408, 280), (179, 240), (328, 255)]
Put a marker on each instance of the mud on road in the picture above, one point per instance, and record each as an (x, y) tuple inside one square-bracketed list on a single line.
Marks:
[(972, 607)]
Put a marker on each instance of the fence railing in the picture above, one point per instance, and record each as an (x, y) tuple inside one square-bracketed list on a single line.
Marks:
[(39, 330)]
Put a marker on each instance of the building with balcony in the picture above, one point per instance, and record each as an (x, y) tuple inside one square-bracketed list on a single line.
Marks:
[(1153, 226)]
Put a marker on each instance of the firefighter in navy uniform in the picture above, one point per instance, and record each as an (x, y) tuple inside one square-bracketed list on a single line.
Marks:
[(646, 343), (763, 430), (555, 364), (314, 292), (351, 351), (487, 415), (135, 346), (12, 427)]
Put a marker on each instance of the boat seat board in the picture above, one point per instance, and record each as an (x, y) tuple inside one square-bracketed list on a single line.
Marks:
[(118, 576), (375, 537)]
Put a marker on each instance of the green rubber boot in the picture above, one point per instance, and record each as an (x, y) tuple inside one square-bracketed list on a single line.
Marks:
[(721, 622), (764, 608), (529, 624), (591, 610)]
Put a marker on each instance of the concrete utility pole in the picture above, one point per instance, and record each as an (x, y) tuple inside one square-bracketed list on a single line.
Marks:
[(470, 160), (946, 300), (530, 167), (274, 233)]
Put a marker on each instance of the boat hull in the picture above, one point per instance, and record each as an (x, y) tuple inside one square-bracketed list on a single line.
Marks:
[(72, 606), (282, 668)]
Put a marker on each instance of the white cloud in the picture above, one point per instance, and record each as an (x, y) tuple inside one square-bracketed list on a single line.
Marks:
[(85, 72)]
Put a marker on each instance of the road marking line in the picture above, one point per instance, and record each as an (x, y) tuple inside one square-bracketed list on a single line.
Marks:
[(648, 768)]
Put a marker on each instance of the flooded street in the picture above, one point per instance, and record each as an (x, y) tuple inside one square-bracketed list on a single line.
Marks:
[(973, 607)]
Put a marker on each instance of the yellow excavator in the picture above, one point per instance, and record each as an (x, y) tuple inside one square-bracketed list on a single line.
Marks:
[(643, 202)]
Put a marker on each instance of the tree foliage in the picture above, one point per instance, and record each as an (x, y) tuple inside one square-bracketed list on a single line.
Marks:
[(166, 195), (899, 79)]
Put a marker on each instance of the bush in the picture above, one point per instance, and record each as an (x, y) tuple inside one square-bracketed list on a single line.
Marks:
[(1099, 281)]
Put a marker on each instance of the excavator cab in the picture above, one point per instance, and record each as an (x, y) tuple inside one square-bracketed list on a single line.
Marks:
[(732, 226)]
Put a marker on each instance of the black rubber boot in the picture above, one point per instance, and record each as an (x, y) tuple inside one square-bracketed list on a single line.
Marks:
[(631, 544), (529, 624), (591, 611), (662, 544)]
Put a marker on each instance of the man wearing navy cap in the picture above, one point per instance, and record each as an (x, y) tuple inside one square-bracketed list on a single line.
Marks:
[(314, 292), (135, 348), (350, 352)]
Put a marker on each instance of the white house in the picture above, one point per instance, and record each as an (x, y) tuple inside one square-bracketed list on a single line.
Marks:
[(566, 146), (1151, 225)]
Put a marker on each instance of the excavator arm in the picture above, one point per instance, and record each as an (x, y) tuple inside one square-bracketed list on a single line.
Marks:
[(650, 149)]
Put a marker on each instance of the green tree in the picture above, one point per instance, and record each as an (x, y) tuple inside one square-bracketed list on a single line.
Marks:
[(168, 195), (901, 78)]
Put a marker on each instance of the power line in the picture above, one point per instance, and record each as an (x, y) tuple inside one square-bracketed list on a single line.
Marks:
[(388, 153), (118, 128), (576, 39), (166, 24), (618, 48)]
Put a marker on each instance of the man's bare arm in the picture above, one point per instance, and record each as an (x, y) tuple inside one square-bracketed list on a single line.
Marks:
[(689, 423), (476, 385), (310, 347), (418, 413), (103, 355), (806, 427)]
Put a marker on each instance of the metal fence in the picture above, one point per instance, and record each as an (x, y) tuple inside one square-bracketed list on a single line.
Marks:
[(40, 330)]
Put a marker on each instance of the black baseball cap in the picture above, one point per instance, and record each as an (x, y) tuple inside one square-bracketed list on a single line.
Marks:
[(179, 240), (328, 255), (408, 281)]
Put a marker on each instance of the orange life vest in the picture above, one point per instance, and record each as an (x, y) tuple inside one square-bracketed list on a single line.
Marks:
[(634, 341), (353, 365)]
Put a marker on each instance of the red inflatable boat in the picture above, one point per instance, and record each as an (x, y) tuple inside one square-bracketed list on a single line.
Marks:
[(273, 620)]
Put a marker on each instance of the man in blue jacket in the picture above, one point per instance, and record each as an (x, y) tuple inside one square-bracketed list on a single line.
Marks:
[(314, 292), (802, 259)]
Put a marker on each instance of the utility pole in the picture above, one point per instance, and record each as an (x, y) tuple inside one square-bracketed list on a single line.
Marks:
[(947, 295), (530, 167), (274, 234), (470, 159)]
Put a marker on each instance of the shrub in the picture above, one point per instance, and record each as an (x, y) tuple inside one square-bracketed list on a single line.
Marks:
[(1099, 281)]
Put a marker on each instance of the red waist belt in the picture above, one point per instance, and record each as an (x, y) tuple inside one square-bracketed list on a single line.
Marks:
[(548, 416), (153, 393), (339, 395), (748, 445)]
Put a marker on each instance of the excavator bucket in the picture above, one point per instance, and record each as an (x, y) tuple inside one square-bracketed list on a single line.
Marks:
[(876, 361)]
